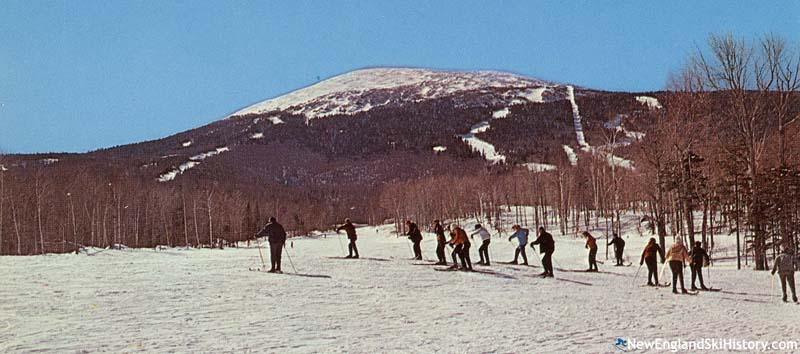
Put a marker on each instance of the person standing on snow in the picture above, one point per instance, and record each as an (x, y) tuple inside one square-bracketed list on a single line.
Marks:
[(350, 229), (460, 240), (591, 244), (677, 256), (522, 239), (546, 246), (619, 247), (277, 238), (785, 264), (438, 229), (699, 258), (416, 237), (650, 256), (483, 250)]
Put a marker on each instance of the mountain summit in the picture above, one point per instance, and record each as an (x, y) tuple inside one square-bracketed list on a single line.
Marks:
[(365, 89)]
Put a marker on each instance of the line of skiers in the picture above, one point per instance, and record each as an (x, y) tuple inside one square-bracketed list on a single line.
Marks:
[(677, 255)]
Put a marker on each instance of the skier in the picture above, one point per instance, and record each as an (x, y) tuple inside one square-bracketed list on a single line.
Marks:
[(350, 229), (522, 238), (619, 247), (699, 258), (676, 256), (438, 229), (416, 237), (546, 246), (591, 244), (785, 265), (649, 256), (277, 238), (483, 250), (459, 239)]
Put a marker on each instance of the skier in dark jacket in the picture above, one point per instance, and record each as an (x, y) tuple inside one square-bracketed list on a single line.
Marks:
[(277, 238), (521, 234), (416, 237), (650, 256), (546, 247), (619, 247), (441, 241), (699, 258), (785, 264), (350, 229), (591, 245)]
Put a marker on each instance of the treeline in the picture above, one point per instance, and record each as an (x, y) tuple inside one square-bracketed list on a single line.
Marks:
[(59, 208)]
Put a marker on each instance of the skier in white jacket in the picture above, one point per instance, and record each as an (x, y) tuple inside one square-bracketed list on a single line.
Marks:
[(483, 250)]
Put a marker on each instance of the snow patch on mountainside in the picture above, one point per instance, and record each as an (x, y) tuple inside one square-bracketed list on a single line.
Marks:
[(484, 148), (501, 113), (351, 93), (571, 155), (539, 167), (651, 102), (275, 120), (534, 95), (193, 162)]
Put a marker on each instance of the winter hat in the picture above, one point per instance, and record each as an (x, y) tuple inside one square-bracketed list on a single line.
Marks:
[(272, 219), (477, 226)]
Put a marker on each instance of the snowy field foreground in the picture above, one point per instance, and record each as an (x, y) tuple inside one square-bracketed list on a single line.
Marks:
[(206, 301)]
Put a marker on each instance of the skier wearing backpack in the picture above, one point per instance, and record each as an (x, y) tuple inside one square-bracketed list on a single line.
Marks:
[(546, 246), (591, 244), (416, 237), (483, 250), (521, 234), (650, 256), (460, 240), (438, 229), (677, 256), (785, 264), (619, 247), (699, 258), (350, 229), (277, 238)]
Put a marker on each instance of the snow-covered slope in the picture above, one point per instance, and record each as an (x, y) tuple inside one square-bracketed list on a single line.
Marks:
[(362, 90), (206, 301)]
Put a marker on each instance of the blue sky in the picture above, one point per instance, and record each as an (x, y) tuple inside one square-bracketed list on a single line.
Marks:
[(81, 75)]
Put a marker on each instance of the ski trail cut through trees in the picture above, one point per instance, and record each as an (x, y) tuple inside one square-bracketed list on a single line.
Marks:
[(487, 150), (576, 119)]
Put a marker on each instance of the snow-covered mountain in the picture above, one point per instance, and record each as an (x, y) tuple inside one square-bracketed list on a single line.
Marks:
[(362, 90), (428, 119)]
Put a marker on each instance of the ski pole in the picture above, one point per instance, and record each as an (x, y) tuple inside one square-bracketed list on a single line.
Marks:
[(290, 258), (341, 245), (261, 254), (772, 287), (635, 276)]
